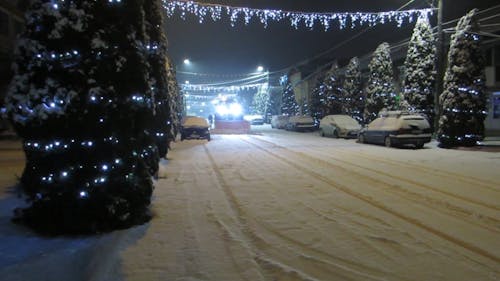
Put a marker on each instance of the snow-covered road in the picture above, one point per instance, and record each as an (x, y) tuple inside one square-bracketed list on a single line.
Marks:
[(281, 205), (291, 206)]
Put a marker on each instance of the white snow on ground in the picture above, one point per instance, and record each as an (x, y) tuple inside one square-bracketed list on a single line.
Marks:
[(281, 205)]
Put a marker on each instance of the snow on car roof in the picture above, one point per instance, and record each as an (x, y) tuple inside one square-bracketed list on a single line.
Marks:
[(193, 121), (344, 120)]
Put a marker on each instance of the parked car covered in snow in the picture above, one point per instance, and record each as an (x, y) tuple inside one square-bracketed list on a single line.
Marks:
[(395, 128), (339, 126), (300, 123), (194, 127), (279, 121), (254, 119)]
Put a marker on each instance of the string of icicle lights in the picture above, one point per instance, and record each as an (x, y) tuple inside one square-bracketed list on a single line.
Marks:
[(326, 20), (205, 88)]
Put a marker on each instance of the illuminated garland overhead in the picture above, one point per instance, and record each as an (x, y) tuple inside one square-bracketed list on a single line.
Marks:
[(202, 10), (204, 88)]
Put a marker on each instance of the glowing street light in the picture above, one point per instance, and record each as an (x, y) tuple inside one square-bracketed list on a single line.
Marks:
[(187, 62), (260, 68)]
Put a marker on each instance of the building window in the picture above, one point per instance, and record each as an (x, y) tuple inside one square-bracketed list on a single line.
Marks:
[(18, 27), (496, 53), (4, 24), (489, 57), (496, 105)]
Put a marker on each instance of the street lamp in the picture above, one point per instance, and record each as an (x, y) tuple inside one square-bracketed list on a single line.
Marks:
[(187, 62), (260, 68)]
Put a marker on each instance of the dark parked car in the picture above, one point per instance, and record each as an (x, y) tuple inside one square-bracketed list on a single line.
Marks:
[(257, 120), (395, 128), (194, 127)]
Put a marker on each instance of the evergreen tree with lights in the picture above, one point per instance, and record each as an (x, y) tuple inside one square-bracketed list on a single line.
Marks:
[(273, 103), (304, 107), (176, 103), (156, 46), (420, 78), (463, 101), (317, 102), (260, 100), (333, 91), (83, 99), (289, 104), (380, 92), (354, 98)]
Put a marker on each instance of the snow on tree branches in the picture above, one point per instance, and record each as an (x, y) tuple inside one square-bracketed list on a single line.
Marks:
[(353, 96), (380, 92), (463, 101), (418, 85), (89, 83), (289, 104), (333, 91)]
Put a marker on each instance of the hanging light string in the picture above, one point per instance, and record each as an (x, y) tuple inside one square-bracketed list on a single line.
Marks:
[(308, 19), (232, 88)]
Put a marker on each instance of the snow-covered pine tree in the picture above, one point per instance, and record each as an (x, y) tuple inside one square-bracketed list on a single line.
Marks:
[(289, 104), (317, 102), (463, 101), (380, 92), (260, 100), (176, 103), (274, 103), (354, 99), (304, 107), (333, 91), (156, 46), (81, 100), (420, 78)]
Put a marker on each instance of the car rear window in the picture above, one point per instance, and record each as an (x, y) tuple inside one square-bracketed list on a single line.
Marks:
[(195, 121)]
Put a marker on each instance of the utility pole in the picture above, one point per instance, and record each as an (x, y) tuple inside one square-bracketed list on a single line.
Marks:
[(440, 61)]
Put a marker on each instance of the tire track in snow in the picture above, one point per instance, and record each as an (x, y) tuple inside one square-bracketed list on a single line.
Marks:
[(482, 183), (453, 208), (257, 244), (372, 202)]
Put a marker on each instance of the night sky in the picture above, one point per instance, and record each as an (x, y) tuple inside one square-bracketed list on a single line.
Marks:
[(216, 47)]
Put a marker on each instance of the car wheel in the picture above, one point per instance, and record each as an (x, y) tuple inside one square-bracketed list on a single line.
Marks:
[(361, 138), (336, 134), (321, 133), (208, 138), (388, 141), (419, 145)]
